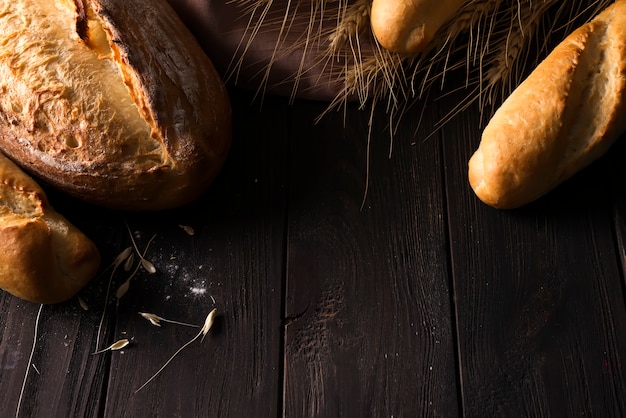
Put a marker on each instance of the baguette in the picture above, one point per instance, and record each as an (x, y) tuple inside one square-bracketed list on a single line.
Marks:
[(112, 101), (565, 115), (44, 258), (407, 26)]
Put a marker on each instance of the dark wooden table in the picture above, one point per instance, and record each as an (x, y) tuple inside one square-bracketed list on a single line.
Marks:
[(423, 302)]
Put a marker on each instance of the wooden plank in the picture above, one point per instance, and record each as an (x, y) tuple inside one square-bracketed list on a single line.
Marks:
[(615, 181), (64, 379), (540, 307), (233, 262), (234, 258), (368, 330)]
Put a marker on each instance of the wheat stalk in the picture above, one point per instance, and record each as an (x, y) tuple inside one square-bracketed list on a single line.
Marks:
[(475, 21), (490, 39), (507, 62), (354, 21)]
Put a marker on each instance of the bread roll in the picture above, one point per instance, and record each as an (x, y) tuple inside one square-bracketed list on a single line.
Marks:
[(407, 26), (112, 101), (565, 115), (44, 259)]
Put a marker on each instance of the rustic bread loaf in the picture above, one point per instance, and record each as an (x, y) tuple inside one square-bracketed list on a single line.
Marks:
[(408, 26), (112, 101), (44, 258), (565, 115)]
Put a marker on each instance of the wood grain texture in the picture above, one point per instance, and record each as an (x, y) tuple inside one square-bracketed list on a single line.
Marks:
[(425, 302), (539, 301), (234, 262), (63, 378), (369, 330)]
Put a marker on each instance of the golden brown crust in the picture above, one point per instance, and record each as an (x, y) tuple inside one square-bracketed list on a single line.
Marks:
[(112, 101), (565, 115), (408, 26), (44, 258)]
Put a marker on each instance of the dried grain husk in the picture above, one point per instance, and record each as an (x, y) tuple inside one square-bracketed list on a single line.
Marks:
[(324, 49)]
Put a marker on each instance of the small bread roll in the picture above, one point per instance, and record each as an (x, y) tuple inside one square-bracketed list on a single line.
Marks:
[(408, 26), (112, 101), (566, 114), (44, 258)]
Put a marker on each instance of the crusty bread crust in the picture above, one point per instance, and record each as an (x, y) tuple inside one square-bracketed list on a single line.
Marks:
[(565, 115), (44, 258), (112, 101), (408, 26)]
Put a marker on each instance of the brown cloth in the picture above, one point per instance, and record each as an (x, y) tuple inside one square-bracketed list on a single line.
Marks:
[(224, 28)]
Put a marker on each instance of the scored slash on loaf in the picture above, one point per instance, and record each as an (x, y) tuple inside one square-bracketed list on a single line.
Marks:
[(112, 101), (565, 115)]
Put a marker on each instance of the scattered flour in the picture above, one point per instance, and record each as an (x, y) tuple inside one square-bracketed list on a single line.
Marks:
[(198, 291)]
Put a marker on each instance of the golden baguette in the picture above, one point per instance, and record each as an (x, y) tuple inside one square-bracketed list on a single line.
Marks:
[(112, 101), (565, 115), (407, 26), (44, 258)]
